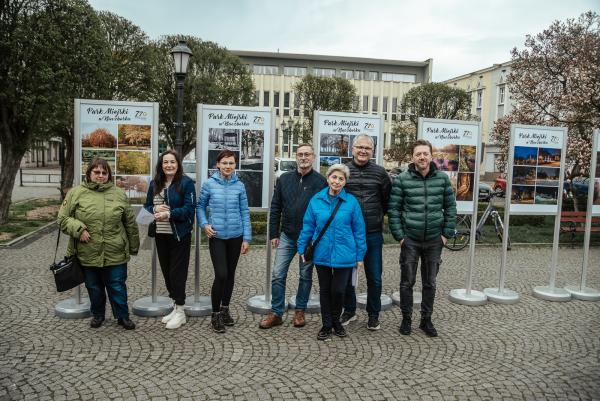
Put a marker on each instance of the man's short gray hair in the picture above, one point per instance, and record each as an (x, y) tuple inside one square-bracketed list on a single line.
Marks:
[(339, 167), (367, 137)]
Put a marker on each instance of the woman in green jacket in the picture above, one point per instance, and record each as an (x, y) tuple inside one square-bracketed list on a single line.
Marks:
[(101, 224)]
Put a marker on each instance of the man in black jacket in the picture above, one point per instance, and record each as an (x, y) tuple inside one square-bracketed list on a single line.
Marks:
[(293, 191), (371, 185)]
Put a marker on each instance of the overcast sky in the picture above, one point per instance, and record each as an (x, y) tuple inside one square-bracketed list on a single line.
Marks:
[(460, 36)]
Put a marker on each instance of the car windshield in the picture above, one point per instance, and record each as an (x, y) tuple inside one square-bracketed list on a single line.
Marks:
[(288, 165), (189, 167)]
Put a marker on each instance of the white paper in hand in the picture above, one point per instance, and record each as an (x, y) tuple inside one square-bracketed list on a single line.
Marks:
[(144, 217), (354, 277)]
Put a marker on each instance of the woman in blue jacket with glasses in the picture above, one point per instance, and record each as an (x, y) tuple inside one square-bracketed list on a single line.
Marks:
[(228, 230)]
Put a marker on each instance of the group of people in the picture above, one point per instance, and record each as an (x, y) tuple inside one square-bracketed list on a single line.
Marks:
[(333, 223)]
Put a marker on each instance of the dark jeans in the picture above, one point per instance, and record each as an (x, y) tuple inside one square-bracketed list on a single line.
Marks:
[(411, 251), (373, 268), (111, 280), (332, 282), (224, 254), (174, 258)]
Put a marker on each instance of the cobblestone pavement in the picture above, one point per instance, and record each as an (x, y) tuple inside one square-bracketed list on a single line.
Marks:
[(531, 350)]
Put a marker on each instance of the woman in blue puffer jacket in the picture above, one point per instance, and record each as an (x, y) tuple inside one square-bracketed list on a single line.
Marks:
[(228, 230), (341, 248)]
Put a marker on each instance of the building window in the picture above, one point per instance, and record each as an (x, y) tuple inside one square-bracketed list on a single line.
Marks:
[(256, 98), (392, 76), (324, 72), (479, 98), (501, 90), (348, 74), (286, 104), (365, 104), (294, 71), (266, 98), (373, 75), (265, 69), (296, 105), (385, 108), (375, 104), (358, 74), (355, 103), (276, 102), (394, 108)]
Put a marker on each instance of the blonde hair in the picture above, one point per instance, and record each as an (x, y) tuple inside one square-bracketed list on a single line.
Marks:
[(339, 167)]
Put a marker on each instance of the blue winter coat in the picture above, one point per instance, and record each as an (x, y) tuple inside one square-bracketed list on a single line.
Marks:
[(344, 243), (228, 204), (182, 201)]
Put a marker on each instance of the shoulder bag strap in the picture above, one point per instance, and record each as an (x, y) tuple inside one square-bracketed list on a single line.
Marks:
[(328, 223)]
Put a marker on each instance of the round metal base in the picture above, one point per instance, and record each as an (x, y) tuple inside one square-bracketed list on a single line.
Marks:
[(505, 297), (584, 294), (145, 306), (201, 308), (70, 309), (258, 304), (417, 298), (474, 298), (312, 306), (361, 301), (551, 294)]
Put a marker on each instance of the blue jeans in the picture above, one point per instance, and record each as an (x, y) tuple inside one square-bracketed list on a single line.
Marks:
[(111, 280), (373, 268), (286, 251)]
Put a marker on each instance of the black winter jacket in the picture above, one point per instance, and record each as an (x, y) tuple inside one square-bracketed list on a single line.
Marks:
[(290, 200), (372, 186)]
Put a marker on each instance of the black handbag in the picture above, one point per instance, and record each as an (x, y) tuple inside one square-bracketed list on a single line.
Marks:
[(310, 248), (67, 272), (152, 229)]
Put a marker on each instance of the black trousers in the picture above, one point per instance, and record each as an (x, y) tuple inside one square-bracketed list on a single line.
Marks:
[(429, 252), (332, 282), (224, 254), (174, 259)]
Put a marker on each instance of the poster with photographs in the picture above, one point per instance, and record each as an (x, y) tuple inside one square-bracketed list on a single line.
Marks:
[(455, 151), (335, 134), (122, 133), (535, 168), (245, 131), (596, 176)]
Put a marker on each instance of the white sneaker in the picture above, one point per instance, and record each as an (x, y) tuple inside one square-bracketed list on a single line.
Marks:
[(168, 317), (178, 319)]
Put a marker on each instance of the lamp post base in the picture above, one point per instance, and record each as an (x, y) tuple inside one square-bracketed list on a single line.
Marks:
[(417, 298), (474, 298), (584, 294), (505, 296), (312, 306), (202, 307), (551, 294), (145, 307)]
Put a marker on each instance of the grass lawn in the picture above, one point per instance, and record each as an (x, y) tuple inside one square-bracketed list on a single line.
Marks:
[(27, 216)]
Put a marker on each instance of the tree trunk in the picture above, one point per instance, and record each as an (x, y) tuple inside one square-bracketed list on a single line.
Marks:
[(69, 164), (11, 160)]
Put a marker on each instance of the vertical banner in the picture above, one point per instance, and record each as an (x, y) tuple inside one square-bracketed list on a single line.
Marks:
[(595, 173), (456, 151), (246, 131), (334, 134), (536, 168), (123, 133)]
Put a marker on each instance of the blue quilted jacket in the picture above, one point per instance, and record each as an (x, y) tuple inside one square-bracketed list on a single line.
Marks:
[(227, 202), (344, 242)]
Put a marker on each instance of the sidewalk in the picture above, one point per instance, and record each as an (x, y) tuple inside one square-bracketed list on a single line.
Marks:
[(46, 190), (532, 350)]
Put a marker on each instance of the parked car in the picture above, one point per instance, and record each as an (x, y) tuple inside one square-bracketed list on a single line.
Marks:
[(189, 168), (282, 165)]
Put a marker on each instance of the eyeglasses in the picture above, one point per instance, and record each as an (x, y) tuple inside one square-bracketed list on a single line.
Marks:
[(102, 172), (307, 154), (363, 148)]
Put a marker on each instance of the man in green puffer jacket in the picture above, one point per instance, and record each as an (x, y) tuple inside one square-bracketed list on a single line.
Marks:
[(422, 214)]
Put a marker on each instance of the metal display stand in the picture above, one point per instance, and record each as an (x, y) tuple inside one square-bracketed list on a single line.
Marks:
[(312, 306), (73, 308), (582, 291), (153, 305)]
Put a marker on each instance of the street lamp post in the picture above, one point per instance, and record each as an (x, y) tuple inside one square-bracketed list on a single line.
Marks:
[(181, 56), (289, 131)]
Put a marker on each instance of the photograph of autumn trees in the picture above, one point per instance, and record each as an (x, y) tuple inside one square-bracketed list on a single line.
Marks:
[(98, 137), (133, 163), (133, 136)]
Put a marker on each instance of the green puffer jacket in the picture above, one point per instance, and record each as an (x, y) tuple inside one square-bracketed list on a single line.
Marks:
[(102, 210), (422, 208)]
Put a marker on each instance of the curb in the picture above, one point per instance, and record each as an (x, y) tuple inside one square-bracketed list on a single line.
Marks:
[(26, 239)]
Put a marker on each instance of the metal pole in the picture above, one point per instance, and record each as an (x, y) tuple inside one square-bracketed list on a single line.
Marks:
[(154, 268), (179, 125), (21, 176), (153, 305)]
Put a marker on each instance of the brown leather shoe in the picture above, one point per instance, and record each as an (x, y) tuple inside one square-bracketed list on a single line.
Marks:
[(299, 320), (271, 320)]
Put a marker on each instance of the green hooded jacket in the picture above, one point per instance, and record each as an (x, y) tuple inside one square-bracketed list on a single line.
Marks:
[(422, 208), (102, 210)]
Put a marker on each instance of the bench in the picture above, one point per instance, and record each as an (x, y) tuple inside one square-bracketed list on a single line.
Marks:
[(574, 222)]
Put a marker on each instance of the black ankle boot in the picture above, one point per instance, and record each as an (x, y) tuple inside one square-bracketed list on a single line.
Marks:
[(126, 323), (427, 326), (405, 328), (226, 316), (217, 322)]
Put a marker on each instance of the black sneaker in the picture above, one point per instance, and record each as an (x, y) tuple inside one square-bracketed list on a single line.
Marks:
[(226, 316), (324, 334), (339, 331), (427, 326), (126, 323), (405, 326), (217, 322), (373, 323), (347, 318), (96, 322)]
